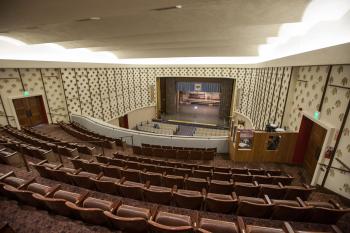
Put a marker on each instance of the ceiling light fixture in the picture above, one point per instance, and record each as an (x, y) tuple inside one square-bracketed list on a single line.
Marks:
[(168, 8), (89, 19)]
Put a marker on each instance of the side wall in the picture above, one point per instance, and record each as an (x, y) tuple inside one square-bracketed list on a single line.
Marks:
[(106, 93), (307, 88)]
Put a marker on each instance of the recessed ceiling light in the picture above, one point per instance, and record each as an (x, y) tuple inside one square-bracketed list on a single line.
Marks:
[(88, 19), (168, 8)]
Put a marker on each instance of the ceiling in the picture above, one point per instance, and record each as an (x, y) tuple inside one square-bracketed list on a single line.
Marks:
[(133, 29)]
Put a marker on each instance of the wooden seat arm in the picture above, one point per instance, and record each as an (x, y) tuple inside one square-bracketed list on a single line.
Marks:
[(287, 227), (99, 176), (24, 185), (280, 185), (82, 197), (267, 199), (115, 206), (234, 196), (77, 171), (154, 211), (58, 166), (42, 162), (241, 224), (52, 190), (7, 175), (255, 183), (335, 204), (301, 202)]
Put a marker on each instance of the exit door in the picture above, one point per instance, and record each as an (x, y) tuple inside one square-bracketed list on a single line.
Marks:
[(30, 111)]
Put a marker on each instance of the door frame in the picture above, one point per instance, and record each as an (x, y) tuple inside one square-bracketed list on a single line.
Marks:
[(13, 110), (327, 142)]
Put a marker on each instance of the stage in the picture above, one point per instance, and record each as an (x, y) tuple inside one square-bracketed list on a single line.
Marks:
[(197, 114)]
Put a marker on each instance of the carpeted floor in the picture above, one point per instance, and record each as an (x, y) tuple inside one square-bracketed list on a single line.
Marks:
[(29, 219)]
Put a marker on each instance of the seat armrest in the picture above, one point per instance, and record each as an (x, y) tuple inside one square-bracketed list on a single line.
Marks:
[(256, 183), (82, 197), (241, 224), (99, 176), (115, 206), (52, 190), (301, 202), (58, 166), (268, 175), (280, 185), (234, 195), (204, 192), (7, 175), (249, 173), (174, 188), (335, 204), (79, 170), (267, 200), (76, 157), (147, 184), (194, 218), (122, 180), (336, 229), (287, 228), (154, 211), (42, 162), (306, 186), (26, 183), (231, 181)]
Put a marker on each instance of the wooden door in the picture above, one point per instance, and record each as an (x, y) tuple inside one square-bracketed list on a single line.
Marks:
[(22, 112), (123, 121), (314, 148), (30, 111)]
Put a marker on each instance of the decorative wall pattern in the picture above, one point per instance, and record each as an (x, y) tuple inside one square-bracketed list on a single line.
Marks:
[(308, 90), (106, 93)]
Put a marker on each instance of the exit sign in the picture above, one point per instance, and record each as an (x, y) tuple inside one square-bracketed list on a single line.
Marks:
[(317, 115), (26, 93)]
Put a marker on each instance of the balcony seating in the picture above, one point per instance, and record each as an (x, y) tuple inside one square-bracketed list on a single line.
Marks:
[(120, 216), (188, 199)]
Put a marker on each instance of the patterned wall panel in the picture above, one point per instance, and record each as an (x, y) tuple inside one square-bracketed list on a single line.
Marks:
[(307, 93)]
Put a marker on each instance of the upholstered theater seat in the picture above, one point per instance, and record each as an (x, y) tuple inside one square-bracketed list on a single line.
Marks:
[(263, 179), (243, 171), (225, 176), (222, 187), (326, 212), (131, 189), (220, 203), (254, 207), (153, 178), (106, 184), (196, 184), (285, 180), (112, 171), (131, 174), (157, 194), (246, 189), (171, 180), (293, 192), (82, 179), (204, 174), (169, 222), (218, 226), (273, 191), (242, 178), (129, 218), (188, 199)]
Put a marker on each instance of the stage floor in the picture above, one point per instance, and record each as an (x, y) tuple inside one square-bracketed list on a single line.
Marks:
[(203, 114)]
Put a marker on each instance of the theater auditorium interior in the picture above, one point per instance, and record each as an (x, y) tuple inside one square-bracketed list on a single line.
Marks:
[(225, 116)]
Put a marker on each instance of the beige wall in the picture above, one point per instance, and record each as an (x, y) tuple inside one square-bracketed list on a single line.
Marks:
[(114, 121), (140, 115), (307, 87)]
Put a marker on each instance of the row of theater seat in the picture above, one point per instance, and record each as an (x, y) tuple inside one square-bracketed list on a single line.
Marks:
[(178, 147), (42, 143), (28, 149), (196, 171), (263, 207), (80, 128), (69, 149), (124, 217), (253, 189), (89, 136), (175, 153)]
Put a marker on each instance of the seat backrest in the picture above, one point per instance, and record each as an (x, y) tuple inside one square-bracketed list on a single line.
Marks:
[(255, 210)]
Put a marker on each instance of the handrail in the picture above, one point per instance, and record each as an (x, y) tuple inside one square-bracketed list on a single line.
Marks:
[(336, 168), (343, 164)]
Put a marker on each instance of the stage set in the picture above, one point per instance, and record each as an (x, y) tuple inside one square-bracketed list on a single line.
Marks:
[(202, 102)]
